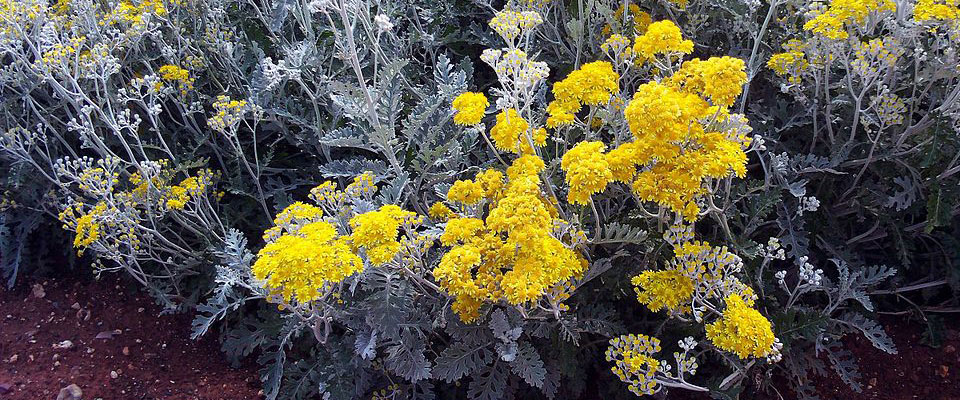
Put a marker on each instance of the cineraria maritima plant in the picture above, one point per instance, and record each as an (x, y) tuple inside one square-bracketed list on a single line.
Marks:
[(421, 199)]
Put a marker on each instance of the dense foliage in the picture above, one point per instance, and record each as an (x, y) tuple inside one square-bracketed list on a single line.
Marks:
[(430, 199)]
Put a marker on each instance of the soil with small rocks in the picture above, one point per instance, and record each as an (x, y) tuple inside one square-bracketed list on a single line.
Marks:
[(112, 343), (110, 340)]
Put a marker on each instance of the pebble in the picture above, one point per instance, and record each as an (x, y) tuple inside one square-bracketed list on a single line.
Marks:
[(126, 351), (37, 291), (66, 344), (71, 392), (114, 375)]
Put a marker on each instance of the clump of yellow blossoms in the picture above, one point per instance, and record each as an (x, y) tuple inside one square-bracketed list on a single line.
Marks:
[(663, 290), (833, 22), (305, 255), (633, 362), (671, 131), (512, 255), (88, 227), (189, 188), (790, 63), (114, 219), (587, 171), (180, 76), (719, 79), (512, 133), (229, 112), (742, 330), (469, 108), (941, 10), (376, 231), (593, 84), (661, 37)]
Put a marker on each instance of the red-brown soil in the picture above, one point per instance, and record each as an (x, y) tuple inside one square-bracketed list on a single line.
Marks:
[(138, 355), (915, 372), (161, 362)]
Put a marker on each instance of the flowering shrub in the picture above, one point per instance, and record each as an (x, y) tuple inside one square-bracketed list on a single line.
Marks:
[(478, 200)]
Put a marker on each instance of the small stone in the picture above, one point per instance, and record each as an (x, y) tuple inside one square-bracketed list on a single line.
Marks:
[(949, 349), (66, 344), (71, 392), (13, 358), (114, 375), (37, 291), (56, 357), (5, 388), (56, 363), (141, 309), (943, 371), (126, 351), (75, 306)]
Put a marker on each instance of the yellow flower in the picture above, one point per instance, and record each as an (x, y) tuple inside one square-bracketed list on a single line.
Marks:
[(663, 290), (491, 181), (301, 263), (440, 211), (461, 230), (592, 84), (586, 170), (832, 23), (376, 232), (469, 108), (510, 133), (790, 63), (659, 112), (742, 330), (512, 254), (719, 79), (633, 362), (467, 192), (88, 227), (189, 188), (661, 37), (942, 10)]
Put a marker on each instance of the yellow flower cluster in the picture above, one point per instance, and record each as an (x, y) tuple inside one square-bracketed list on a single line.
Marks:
[(189, 188), (633, 362), (870, 57), (469, 108), (376, 231), (719, 79), (513, 255), (790, 63), (229, 113), (670, 131), (180, 76), (305, 254), (663, 290), (941, 10), (512, 133), (661, 37), (833, 22), (132, 13), (88, 228), (291, 219), (592, 84), (305, 257), (587, 171), (742, 330)]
